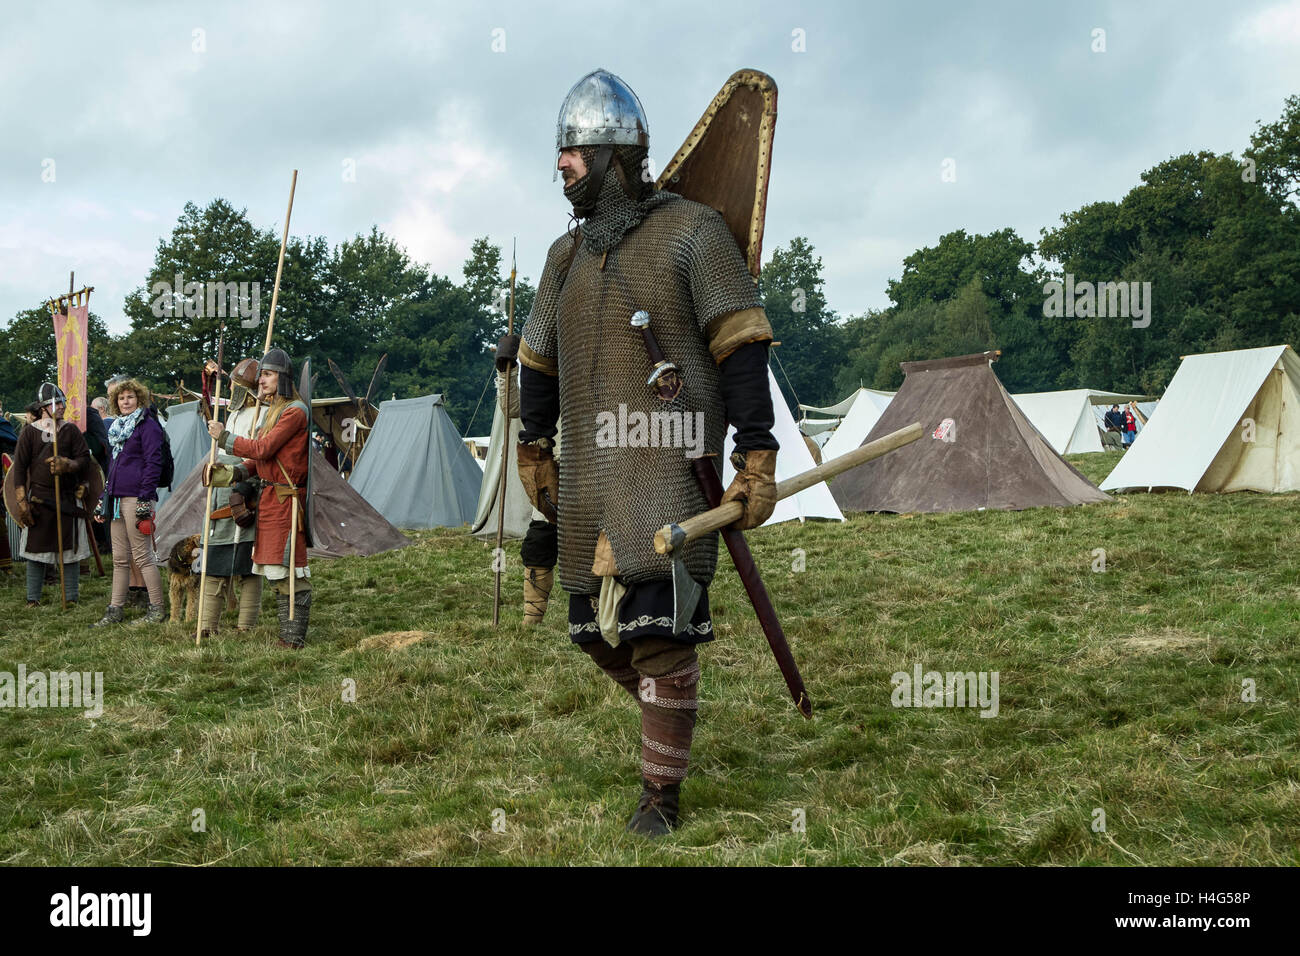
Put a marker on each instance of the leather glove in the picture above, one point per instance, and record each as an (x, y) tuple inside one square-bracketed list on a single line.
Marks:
[(223, 476), (507, 352), (23, 514), (754, 486), (540, 477), (61, 466)]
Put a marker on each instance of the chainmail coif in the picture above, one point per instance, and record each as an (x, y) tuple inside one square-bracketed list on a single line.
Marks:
[(614, 212)]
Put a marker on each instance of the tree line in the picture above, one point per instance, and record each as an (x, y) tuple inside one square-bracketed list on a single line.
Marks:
[(1216, 236)]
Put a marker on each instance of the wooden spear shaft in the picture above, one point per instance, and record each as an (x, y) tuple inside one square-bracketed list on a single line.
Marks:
[(279, 267), (207, 508), (270, 325), (505, 462), (58, 504), (723, 515)]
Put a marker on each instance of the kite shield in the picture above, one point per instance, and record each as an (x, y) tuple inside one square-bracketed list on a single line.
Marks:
[(727, 159)]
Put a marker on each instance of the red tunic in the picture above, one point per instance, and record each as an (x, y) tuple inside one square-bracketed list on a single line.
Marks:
[(286, 443)]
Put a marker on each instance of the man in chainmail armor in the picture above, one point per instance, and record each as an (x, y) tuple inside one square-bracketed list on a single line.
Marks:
[(639, 249)]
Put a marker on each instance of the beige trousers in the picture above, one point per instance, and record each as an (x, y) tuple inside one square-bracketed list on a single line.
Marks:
[(131, 547)]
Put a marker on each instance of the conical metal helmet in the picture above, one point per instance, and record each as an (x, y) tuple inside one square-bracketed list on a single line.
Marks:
[(245, 374), (601, 110), (277, 360), (243, 382), (50, 394)]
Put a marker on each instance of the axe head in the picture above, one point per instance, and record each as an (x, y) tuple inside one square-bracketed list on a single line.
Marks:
[(686, 590)]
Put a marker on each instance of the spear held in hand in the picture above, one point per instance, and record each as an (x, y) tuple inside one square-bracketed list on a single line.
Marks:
[(215, 370), (505, 450)]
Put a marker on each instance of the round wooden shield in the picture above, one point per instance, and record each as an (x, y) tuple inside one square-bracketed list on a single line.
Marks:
[(94, 482), (11, 501)]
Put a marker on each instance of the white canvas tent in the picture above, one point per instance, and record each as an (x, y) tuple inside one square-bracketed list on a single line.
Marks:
[(792, 459), (519, 510), (858, 421), (1229, 421), (1066, 418), (415, 470)]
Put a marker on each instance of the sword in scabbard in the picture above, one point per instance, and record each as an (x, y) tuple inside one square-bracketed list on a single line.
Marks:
[(666, 380), (672, 539)]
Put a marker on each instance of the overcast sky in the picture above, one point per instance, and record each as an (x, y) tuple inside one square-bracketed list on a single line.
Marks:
[(452, 140)]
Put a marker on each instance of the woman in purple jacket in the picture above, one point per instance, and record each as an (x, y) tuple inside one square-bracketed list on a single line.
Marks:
[(136, 440)]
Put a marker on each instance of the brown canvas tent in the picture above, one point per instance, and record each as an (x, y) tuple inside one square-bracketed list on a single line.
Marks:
[(343, 523), (978, 451)]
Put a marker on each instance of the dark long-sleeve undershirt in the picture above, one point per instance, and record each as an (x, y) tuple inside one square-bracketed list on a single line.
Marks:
[(748, 398), (539, 404)]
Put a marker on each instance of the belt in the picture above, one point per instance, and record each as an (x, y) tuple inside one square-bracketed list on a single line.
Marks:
[(285, 491)]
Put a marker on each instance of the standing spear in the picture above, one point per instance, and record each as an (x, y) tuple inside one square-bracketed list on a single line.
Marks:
[(505, 450), (279, 266), (58, 505), (207, 510)]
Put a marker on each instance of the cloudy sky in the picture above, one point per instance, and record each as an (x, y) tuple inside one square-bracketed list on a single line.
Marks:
[(138, 107)]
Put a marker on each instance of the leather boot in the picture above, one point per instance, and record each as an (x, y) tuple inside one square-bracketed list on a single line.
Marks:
[(537, 593), (656, 813), (156, 614), (113, 615)]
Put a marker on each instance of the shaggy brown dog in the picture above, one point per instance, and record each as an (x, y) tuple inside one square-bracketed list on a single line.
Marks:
[(183, 586)]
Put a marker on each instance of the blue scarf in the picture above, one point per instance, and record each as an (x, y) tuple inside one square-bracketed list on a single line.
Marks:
[(122, 428)]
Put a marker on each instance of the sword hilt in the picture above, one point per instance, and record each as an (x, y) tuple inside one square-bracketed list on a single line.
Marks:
[(665, 378)]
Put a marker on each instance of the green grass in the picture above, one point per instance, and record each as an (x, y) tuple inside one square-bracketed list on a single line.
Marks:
[(1119, 690)]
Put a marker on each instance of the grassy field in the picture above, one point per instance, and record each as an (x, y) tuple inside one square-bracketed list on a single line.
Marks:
[(1120, 690)]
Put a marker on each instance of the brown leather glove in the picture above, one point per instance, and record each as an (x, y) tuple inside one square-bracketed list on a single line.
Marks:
[(754, 486), (61, 466), (23, 512), (507, 352), (540, 477)]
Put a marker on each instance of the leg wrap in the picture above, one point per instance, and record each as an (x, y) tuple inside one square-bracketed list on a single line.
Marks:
[(250, 600), (616, 662), (35, 579), (209, 605), (668, 709), (537, 592), (294, 632), (72, 579)]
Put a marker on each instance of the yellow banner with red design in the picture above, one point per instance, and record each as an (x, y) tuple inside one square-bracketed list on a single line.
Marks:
[(71, 347)]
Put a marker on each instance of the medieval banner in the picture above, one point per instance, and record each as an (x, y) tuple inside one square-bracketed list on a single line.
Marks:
[(70, 343)]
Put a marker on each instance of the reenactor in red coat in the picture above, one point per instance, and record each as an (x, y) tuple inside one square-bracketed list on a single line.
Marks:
[(278, 457)]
